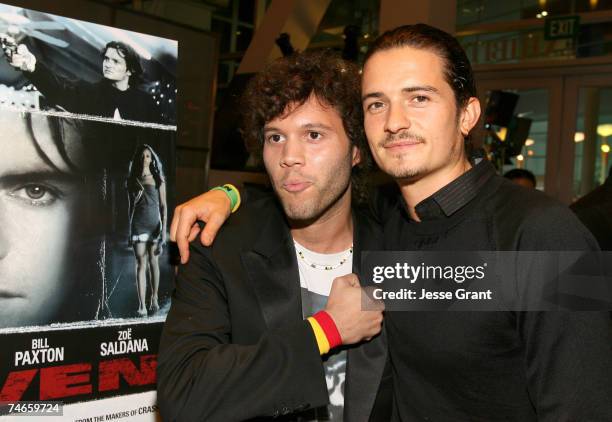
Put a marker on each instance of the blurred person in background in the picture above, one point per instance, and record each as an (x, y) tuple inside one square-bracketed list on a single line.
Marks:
[(595, 211), (521, 177)]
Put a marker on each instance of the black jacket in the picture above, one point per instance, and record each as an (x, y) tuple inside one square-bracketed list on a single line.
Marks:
[(594, 210), (235, 345)]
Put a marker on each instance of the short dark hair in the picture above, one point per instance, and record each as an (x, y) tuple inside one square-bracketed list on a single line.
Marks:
[(457, 67), (132, 59), (293, 80), (520, 174)]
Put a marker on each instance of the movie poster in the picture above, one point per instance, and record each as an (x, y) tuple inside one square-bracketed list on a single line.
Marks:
[(88, 126)]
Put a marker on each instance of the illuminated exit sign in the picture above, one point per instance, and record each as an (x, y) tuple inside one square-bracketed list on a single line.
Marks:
[(563, 27)]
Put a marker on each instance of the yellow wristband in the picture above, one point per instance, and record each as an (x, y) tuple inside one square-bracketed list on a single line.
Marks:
[(322, 341)]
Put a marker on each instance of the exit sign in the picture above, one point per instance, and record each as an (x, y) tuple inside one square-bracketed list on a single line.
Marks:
[(562, 27)]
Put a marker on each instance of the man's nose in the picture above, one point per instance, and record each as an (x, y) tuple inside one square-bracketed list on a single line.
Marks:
[(292, 153), (397, 119)]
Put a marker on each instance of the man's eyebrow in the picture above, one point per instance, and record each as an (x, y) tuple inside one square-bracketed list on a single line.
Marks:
[(315, 125), (372, 95), (38, 176), (409, 89), (427, 88), (271, 129)]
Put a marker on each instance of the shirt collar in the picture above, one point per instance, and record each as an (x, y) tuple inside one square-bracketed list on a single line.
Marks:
[(458, 193)]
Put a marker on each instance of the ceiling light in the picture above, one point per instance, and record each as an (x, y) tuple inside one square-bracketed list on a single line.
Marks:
[(605, 129)]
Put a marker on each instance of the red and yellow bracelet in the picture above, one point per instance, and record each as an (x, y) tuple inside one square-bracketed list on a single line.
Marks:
[(325, 331)]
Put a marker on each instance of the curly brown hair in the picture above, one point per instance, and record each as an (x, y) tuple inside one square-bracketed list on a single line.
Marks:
[(290, 81)]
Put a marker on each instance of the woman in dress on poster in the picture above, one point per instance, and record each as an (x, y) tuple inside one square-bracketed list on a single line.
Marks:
[(146, 188)]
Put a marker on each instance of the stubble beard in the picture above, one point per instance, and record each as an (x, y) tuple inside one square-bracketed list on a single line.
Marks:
[(330, 188), (398, 168)]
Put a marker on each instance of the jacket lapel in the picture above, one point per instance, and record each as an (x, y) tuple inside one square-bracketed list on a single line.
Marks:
[(366, 363), (272, 269)]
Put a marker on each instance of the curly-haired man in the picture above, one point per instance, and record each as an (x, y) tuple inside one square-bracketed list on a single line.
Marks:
[(257, 328)]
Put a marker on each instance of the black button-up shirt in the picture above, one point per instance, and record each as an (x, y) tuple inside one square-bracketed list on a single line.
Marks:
[(456, 194), (496, 366)]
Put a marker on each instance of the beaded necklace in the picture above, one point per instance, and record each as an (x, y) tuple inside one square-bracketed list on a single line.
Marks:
[(325, 267)]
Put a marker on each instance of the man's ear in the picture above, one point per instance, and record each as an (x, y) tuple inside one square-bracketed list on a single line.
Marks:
[(356, 156), (469, 116)]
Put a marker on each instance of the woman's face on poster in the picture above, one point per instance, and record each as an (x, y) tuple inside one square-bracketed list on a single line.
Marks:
[(38, 202), (146, 159)]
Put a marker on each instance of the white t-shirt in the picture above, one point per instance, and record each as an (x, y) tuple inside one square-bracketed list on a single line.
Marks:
[(317, 272)]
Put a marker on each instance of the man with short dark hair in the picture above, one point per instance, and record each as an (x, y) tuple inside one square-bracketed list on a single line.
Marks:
[(115, 96), (256, 327), (521, 177), (419, 102)]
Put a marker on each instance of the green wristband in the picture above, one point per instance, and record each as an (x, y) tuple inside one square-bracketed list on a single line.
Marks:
[(232, 193)]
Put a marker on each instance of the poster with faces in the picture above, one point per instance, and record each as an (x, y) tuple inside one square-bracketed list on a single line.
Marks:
[(87, 168)]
